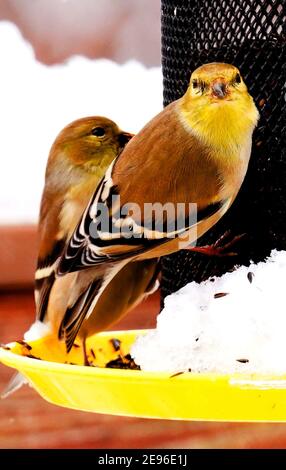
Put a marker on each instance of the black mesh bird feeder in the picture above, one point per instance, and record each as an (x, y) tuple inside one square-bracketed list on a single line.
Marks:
[(251, 35)]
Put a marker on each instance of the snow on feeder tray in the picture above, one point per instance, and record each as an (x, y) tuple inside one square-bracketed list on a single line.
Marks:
[(228, 365)]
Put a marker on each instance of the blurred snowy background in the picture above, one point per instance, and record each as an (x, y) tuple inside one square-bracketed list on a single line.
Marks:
[(65, 59), (115, 29)]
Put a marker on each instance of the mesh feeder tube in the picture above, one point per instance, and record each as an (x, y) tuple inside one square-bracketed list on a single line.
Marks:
[(251, 35)]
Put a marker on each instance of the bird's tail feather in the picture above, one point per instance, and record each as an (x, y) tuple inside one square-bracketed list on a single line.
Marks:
[(75, 315), (15, 383), (84, 305)]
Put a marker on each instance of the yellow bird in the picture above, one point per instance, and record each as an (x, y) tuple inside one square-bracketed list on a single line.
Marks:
[(191, 159)]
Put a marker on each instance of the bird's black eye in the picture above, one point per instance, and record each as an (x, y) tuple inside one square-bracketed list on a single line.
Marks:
[(98, 131), (237, 78), (195, 83)]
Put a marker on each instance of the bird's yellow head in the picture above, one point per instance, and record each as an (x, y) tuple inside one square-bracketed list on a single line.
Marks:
[(89, 143), (217, 106)]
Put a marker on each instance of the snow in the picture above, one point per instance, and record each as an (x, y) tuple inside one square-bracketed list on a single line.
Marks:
[(37, 101), (37, 330), (243, 331)]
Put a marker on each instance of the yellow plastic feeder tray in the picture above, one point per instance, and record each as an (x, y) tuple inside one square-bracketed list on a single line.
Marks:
[(60, 379)]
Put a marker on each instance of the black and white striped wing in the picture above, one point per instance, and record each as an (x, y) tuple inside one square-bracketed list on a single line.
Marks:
[(118, 237), (92, 244)]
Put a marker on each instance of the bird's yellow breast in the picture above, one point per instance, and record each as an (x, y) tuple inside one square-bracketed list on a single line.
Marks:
[(225, 129), (225, 126), (75, 202)]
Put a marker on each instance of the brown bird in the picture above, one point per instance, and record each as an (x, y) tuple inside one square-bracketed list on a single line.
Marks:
[(77, 161), (191, 158)]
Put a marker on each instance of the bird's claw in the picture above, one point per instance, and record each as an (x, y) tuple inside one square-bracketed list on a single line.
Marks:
[(219, 249)]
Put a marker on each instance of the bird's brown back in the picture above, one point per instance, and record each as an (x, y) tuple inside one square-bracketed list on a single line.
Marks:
[(169, 162)]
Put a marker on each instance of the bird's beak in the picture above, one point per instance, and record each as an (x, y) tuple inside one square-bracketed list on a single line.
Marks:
[(219, 89), (124, 138)]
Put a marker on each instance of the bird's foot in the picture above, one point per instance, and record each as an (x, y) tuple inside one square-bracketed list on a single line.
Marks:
[(85, 357), (219, 248)]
